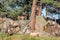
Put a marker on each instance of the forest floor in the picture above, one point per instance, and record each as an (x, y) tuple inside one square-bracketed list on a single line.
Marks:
[(26, 37)]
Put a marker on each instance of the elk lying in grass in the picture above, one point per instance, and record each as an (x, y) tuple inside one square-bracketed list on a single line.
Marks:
[(52, 27), (12, 29)]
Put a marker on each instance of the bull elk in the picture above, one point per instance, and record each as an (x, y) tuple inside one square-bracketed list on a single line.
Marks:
[(51, 27), (12, 29)]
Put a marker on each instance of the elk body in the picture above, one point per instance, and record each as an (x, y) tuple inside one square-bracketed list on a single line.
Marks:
[(9, 26), (52, 28), (12, 29)]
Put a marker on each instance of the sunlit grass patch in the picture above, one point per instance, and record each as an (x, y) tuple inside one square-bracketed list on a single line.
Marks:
[(26, 37)]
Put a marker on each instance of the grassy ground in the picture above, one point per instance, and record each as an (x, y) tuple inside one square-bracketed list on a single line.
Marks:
[(26, 37)]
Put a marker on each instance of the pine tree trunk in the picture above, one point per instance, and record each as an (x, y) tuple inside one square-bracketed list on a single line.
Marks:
[(33, 15)]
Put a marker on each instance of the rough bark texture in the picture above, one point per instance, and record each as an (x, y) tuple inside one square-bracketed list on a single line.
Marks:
[(33, 16)]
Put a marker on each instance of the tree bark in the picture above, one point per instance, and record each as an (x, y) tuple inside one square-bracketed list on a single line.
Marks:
[(33, 15)]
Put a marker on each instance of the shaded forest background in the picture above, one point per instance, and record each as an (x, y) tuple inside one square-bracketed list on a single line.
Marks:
[(13, 8)]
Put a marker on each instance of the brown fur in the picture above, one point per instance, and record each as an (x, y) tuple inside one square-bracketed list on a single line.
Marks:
[(21, 17)]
